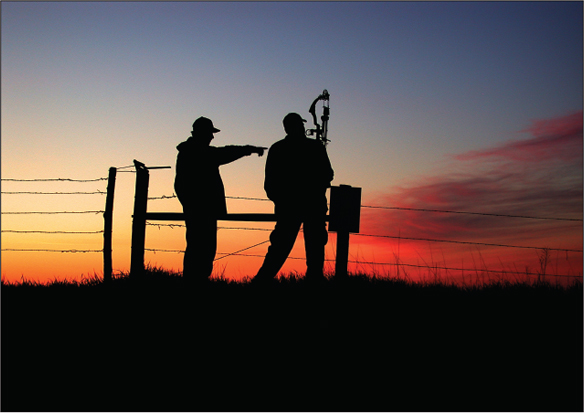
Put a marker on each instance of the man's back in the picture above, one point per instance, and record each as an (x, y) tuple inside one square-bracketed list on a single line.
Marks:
[(198, 183), (298, 170)]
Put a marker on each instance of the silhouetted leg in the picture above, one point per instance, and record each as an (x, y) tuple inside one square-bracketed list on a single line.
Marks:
[(201, 236), (315, 239), (282, 240)]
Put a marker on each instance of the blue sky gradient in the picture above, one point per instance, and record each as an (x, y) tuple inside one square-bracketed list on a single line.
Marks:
[(89, 85)]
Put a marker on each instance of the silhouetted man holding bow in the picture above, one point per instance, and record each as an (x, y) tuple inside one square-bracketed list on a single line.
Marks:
[(298, 172), (199, 188)]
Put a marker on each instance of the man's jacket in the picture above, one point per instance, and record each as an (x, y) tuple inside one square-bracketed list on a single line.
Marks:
[(198, 184), (298, 172)]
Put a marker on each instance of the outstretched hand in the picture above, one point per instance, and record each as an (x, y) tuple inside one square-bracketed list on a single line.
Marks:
[(259, 150)]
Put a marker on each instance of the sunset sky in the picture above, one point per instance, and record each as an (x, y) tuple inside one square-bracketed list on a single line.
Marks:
[(458, 106)]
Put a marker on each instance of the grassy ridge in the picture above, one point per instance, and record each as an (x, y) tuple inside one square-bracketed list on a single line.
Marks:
[(362, 344)]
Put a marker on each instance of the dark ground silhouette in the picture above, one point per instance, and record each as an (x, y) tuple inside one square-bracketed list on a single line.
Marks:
[(355, 345)]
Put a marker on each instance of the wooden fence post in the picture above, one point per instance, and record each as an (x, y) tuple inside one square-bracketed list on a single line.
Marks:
[(345, 216), (108, 226), (139, 220)]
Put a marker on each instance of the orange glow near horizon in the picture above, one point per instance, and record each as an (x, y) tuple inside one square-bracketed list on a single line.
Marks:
[(537, 177), (367, 256)]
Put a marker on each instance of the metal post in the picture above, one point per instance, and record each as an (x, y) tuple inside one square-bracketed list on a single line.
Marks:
[(139, 220), (108, 226), (342, 260), (345, 216)]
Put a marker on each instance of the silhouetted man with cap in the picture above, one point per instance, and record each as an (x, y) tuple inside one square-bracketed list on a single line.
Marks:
[(199, 188), (298, 172)]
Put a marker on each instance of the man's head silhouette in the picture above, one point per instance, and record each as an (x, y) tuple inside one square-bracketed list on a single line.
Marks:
[(203, 128), (294, 124)]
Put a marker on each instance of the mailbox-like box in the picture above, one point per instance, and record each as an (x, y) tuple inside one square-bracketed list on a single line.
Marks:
[(345, 209)]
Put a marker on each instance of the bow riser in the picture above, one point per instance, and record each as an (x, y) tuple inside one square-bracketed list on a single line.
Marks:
[(321, 132)]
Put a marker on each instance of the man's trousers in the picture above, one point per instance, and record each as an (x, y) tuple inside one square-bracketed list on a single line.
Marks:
[(201, 237), (283, 237)]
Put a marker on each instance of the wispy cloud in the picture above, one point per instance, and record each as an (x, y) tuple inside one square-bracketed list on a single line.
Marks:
[(539, 176), (558, 138)]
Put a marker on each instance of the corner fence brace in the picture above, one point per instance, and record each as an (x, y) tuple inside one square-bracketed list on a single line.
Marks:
[(344, 218)]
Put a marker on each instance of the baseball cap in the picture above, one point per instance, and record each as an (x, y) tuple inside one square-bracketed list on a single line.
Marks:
[(292, 119), (204, 124)]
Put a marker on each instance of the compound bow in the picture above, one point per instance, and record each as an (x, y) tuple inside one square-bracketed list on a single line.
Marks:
[(320, 131)]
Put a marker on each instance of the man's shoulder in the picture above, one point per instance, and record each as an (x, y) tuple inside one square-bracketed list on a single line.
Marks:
[(280, 145), (297, 142), (281, 142), (191, 145)]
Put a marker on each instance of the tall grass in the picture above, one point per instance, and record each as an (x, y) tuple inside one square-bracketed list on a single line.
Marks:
[(437, 272), (475, 279)]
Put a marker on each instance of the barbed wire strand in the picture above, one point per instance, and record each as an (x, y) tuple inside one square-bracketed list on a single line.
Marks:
[(172, 226), (50, 232), (228, 197), (396, 264), (55, 179), (249, 229), (265, 199), (466, 242), (163, 250), (55, 193), (248, 198), (460, 269), (48, 250), (410, 209), (53, 212), (434, 267), (216, 259), (162, 197), (399, 237), (166, 225), (245, 249), (471, 213)]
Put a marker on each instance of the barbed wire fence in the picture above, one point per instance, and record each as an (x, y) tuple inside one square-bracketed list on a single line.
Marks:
[(432, 267), (107, 238), (240, 252), (15, 231)]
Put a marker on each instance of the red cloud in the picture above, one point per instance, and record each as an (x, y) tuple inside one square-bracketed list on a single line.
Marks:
[(558, 138), (515, 184)]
